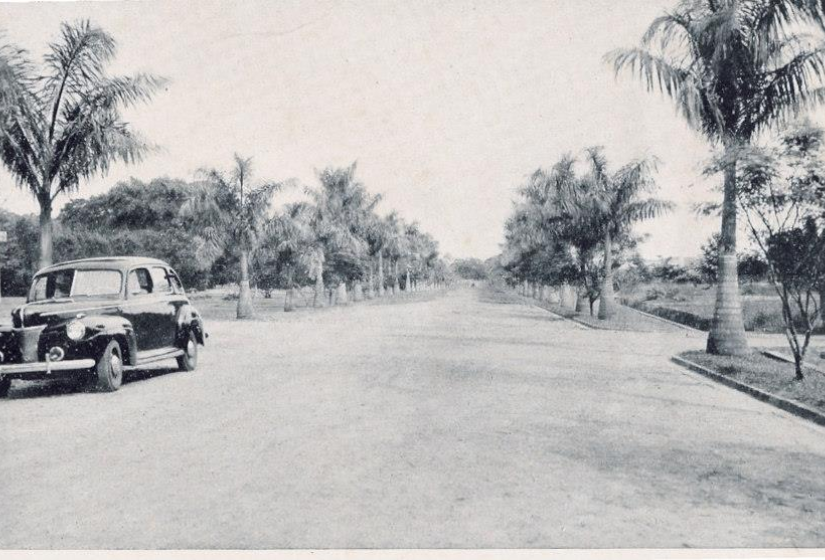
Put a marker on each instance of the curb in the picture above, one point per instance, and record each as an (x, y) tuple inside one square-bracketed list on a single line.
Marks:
[(668, 321), (563, 318), (787, 405), (532, 303)]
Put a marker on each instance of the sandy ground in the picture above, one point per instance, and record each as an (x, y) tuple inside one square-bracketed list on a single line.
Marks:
[(458, 422)]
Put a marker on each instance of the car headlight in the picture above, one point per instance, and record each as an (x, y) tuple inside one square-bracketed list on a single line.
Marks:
[(75, 330)]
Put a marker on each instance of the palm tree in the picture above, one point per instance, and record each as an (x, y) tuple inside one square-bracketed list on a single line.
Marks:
[(611, 204), (733, 68), (233, 216), (63, 125), (395, 245), (290, 238), (339, 216), (376, 240)]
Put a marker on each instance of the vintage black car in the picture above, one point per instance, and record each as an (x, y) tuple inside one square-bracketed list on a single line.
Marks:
[(97, 319)]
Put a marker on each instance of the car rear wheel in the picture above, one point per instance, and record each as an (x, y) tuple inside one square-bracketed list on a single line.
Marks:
[(109, 368), (189, 360), (5, 385)]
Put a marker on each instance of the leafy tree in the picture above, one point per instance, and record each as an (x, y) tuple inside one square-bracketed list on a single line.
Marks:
[(63, 124), (232, 215), (17, 255), (753, 267), (782, 195), (470, 269), (734, 68)]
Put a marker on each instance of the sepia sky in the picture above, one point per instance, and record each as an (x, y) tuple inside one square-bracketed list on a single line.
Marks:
[(445, 106)]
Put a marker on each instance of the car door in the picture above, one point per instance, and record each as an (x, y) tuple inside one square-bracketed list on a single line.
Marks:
[(147, 308), (164, 292)]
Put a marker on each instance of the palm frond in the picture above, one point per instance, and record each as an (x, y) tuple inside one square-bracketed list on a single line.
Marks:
[(662, 75), (74, 62), (790, 88)]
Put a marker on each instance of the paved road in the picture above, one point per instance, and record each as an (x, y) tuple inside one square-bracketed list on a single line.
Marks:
[(458, 422)]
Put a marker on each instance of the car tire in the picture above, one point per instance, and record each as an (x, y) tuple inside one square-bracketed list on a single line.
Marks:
[(109, 368), (189, 360), (5, 385)]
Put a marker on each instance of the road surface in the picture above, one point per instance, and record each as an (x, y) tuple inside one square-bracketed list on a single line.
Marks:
[(456, 422)]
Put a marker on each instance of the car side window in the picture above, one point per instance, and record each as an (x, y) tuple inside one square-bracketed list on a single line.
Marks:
[(176, 283), (160, 280), (140, 282)]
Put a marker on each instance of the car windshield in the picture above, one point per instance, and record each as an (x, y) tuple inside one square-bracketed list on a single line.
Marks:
[(71, 283)]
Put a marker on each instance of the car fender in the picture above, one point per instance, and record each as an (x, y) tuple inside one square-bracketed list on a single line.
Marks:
[(189, 320), (103, 328)]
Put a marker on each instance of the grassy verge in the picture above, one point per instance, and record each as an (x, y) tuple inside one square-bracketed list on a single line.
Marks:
[(626, 319), (769, 375), (272, 309), (693, 305)]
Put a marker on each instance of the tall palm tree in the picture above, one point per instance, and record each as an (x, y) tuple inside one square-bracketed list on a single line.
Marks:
[(396, 246), (733, 68), (232, 215), (290, 237), (611, 204), (62, 124), (338, 213), (377, 240)]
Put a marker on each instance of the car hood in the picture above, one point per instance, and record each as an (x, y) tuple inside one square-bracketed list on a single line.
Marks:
[(51, 312)]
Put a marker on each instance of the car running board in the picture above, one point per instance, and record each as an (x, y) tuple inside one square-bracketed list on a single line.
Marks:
[(155, 356)]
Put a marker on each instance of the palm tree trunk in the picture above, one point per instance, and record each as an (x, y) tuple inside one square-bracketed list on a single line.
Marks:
[(380, 274), (407, 285), (46, 233), (341, 296), (289, 298), (245, 295), (371, 286), (727, 332), (318, 299), (396, 287), (581, 298), (607, 300)]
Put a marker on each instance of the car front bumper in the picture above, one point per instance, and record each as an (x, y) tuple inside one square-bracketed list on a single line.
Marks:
[(33, 370)]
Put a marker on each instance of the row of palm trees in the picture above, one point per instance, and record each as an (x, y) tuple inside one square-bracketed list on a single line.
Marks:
[(567, 226), (334, 238), (735, 69)]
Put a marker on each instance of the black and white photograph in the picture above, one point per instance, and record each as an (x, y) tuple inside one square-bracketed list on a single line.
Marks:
[(435, 276)]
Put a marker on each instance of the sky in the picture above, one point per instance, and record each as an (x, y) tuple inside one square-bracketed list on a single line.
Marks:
[(446, 107)]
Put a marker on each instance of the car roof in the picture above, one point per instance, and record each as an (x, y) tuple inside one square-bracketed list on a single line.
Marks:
[(114, 263)]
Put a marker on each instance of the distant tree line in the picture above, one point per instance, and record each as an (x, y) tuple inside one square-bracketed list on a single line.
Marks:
[(334, 240)]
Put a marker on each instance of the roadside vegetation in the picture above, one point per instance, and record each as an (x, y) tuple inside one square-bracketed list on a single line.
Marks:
[(61, 123), (743, 74), (770, 375)]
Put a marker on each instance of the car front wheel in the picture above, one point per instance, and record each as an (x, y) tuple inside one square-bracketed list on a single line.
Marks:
[(189, 360), (109, 368)]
